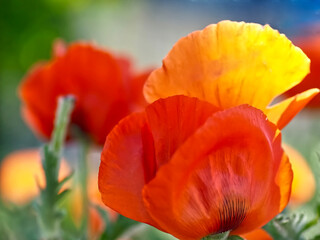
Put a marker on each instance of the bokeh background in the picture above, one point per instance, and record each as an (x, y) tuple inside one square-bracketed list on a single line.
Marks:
[(144, 30)]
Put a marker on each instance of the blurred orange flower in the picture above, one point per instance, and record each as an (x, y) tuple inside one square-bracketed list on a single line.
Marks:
[(20, 174), (303, 184), (191, 170), (311, 46), (233, 63), (105, 87)]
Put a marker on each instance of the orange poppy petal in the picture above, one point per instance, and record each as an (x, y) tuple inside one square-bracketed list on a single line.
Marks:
[(303, 177), (173, 120), (228, 64), (123, 168), (258, 234), (221, 177), (283, 112), (284, 180), (278, 196)]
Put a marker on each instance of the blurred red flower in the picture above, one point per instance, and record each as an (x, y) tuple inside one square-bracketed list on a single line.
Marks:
[(191, 170), (105, 87), (311, 46)]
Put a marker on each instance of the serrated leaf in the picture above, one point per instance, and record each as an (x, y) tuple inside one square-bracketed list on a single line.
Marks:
[(62, 195), (63, 181)]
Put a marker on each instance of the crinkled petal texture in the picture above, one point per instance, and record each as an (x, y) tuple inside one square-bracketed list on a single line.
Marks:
[(94, 76), (139, 145), (191, 170), (228, 64)]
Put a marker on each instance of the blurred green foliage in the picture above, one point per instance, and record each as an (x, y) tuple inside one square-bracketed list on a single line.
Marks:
[(27, 31)]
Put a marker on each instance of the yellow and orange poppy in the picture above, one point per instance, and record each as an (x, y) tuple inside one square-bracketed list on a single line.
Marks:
[(105, 87), (233, 63), (192, 170)]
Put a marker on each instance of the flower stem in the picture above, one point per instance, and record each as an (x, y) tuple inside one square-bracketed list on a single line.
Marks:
[(83, 171), (49, 213), (220, 236)]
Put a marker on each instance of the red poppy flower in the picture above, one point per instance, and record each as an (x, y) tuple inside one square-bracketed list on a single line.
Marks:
[(191, 170), (311, 46), (105, 87), (233, 63)]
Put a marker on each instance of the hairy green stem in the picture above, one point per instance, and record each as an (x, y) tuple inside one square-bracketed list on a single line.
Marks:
[(50, 216)]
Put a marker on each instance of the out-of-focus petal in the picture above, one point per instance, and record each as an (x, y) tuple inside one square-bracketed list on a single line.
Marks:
[(258, 234), (282, 113), (99, 81), (303, 185), (221, 178), (310, 45), (20, 174), (59, 48), (228, 64), (135, 87)]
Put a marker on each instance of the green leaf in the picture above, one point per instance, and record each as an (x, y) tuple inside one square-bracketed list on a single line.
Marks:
[(117, 228), (292, 227), (62, 195), (63, 181)]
